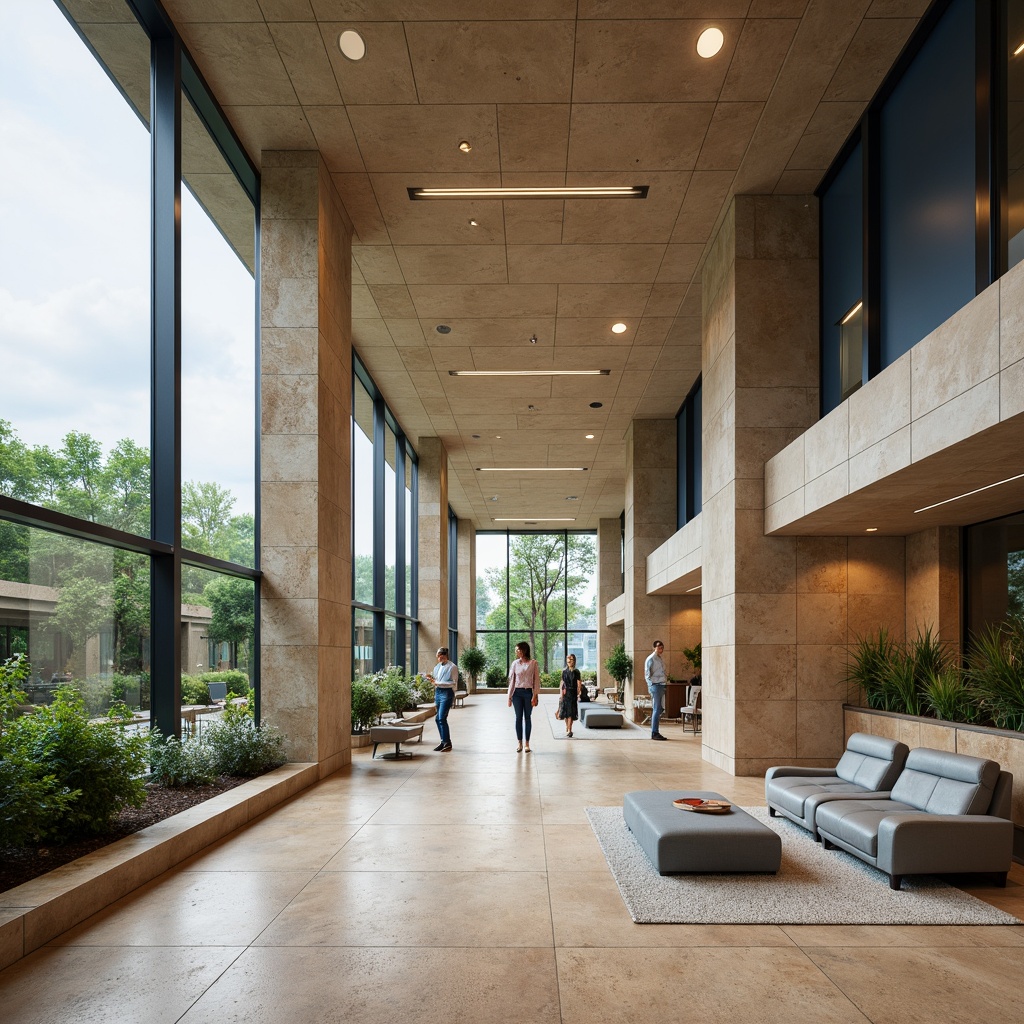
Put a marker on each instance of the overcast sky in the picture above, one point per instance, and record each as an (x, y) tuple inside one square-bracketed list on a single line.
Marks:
[(75, 262)]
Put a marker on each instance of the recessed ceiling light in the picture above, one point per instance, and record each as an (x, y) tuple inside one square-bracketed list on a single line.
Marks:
[(596, 405), (571, 192), (589, 437), (473, 223), (709, 42), (619, 328), (351, 44), (1019, 50), (476, 437), (533, 339), (692, 589), (871, 529), (527, 373), (531, 469), (572, 497), (493, 497), (497, 437), (465, 145), (443, 329)]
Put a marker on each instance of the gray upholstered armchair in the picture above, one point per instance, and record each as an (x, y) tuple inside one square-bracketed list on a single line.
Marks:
[(869, 768)]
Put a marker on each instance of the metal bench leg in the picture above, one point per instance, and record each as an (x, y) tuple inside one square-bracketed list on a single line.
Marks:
[(374, 751)]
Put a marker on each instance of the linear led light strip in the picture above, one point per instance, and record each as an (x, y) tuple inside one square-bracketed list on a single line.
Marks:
[(525, 519), (531, 469), (571, 192), (529, 373), (967, 494)]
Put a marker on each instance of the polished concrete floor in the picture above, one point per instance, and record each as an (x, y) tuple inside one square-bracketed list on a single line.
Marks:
[(468, 887)]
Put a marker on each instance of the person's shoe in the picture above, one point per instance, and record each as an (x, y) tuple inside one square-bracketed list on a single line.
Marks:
[(519, 749), (570, 734), (445, 747), (527, 749), (440, 746), (657, 736)]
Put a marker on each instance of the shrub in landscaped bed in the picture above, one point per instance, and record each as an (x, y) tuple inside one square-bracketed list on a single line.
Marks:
[(61, 775), (175, 763), (240, 746)]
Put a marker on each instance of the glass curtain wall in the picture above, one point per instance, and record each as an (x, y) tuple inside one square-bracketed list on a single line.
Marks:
[(100, 574), (538, 587), (384, 536), (924, 207), (994, 568)]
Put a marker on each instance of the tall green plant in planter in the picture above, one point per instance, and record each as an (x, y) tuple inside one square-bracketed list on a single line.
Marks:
[(947, 695), (869, 668), (473, 661), (995, 673), (366, 703), (619, 665)]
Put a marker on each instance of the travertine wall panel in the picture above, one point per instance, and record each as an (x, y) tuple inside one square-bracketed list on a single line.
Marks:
[(933, 583), (306, 345), (433, 549)]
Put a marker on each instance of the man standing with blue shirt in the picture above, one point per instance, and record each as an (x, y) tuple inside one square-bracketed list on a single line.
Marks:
[(444, 680), (654, 674)]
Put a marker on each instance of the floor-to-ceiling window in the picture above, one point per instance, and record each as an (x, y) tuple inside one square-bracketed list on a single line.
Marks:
[(541, 588), (128, 515), (384, 536)]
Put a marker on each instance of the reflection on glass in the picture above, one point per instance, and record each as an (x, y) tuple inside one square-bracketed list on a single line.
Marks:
[(1015, 132), (362, 496), (581, 583), (995, 572), (218, 624), (491, 581), (362, 642), (410, 555), (218, 356), (79, 612), (584, 646), (75, 265), (851, 350), (390, 641)]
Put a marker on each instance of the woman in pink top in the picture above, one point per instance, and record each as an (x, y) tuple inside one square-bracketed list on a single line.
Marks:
[(523, 690)]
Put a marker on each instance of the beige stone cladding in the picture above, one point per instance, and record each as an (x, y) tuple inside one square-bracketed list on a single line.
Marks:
[(609, 587), (433, 549), (306, 374)]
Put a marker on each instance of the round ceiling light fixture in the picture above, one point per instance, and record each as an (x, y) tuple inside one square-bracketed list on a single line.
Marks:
[(710, 42), (619, 328), (352, 45), (443, 329), (596, 405), (466, 146)]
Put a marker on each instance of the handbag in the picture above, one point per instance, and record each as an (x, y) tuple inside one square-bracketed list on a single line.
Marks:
[(559, 710)]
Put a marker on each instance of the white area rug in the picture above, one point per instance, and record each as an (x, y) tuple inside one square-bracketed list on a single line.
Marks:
[(629, 730), (813, 886)]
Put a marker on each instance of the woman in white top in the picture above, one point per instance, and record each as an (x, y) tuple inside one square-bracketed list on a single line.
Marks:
[(523, 690)]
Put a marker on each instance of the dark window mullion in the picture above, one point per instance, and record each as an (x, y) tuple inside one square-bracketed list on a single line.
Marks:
[(165, 595), (379, 556)]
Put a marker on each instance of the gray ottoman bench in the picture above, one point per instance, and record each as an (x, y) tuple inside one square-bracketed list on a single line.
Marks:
[(690, 841), (397, 734), (596, 717)]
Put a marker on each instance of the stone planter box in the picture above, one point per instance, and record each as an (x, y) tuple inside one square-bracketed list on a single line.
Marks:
[(1002, 745), (360, 739)]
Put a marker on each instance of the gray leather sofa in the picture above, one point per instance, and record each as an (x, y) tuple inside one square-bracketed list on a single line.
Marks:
[(947, 814), (868, 768)]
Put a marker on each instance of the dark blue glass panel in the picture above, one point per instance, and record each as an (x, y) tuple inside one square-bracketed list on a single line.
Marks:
[(688, 458), (928, 186), (842, 266)]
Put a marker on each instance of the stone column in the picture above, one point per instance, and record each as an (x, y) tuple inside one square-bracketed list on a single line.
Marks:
[(933, 583), (650, 520), (467, 585), (433, 549), (609, 587), (306, 387), (777, 611)]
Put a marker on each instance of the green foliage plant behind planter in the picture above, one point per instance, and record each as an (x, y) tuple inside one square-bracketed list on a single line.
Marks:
[(496, 677), (947, 695), (692, 655), (30, 798), (367, 703), (174, 763), (240, 746), (472, 662), (101, 760), (995, 673), (395, 692), (619, 665)]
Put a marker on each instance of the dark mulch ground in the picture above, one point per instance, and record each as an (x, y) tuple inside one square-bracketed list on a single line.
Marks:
[(28, 862)]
